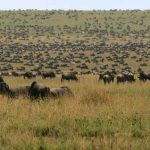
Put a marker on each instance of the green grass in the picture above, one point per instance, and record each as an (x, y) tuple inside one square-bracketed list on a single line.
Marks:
[(97, 117)]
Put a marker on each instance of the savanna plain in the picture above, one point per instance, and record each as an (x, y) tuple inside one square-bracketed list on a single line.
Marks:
[(98, 116)]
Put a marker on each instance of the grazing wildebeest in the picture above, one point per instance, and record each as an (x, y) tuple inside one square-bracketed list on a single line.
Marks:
[(48, 75), (130, 77), (69, 77), (107, 78), (120, 78), (19, 91), (57, 92), (144, 76), (125, 77), (13, 92), (37, 91), (29, 75)]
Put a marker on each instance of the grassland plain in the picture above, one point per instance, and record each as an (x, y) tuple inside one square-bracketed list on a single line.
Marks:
[(98, 117)]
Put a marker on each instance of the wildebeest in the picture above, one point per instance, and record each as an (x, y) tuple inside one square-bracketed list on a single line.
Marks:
[(69, 77), (125, 77), (13, 92), (56, 92), (101, 76), (19, 91), (107, 77), (37, 91), (130, 77), (4, 88), (48, 75), (144, 76), (120, 78), (29, 75)]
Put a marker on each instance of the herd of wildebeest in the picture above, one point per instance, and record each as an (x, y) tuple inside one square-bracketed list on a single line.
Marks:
[(84, 42), (113, 45), (37, 91), (78, 58), (72, 56)]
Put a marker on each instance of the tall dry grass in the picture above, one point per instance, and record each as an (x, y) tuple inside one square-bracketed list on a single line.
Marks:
[(98, 117)]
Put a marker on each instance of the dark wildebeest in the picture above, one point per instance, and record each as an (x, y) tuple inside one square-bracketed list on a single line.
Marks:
[(120, 78), (130, 77), (101, 76), (37, 91), (4, 88), (57, 92), (125, 77), (144, 76), (29, 75), (69, 77), (107, 77), (48, 75)]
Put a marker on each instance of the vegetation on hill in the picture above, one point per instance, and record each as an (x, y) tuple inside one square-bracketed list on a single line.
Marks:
[(108, 27)]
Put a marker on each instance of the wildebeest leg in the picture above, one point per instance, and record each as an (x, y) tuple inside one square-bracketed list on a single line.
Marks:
[(104, 81)]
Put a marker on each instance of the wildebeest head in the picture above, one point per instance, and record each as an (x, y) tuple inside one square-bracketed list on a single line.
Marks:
[(32, 84), (4, 88), (37, 91), (144, 76)]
